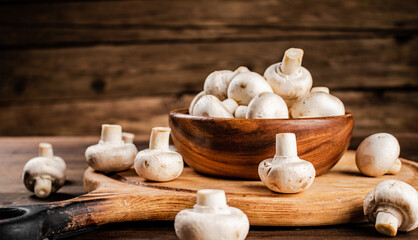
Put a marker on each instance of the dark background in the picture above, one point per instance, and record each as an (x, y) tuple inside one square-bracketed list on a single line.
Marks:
[(66, 67)]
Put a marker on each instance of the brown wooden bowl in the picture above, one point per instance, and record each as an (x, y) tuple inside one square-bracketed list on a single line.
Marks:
[(233, 148)]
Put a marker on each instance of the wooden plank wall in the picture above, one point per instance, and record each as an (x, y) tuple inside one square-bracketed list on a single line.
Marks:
[(68, 66)]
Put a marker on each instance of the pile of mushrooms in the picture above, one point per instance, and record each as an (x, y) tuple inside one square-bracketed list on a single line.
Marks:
[(44, 174), (284, 91)]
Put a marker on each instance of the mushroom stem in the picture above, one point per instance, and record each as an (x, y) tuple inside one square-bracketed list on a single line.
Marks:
[(320, 89), (128, 137), (45, 150), (396, 167), (42, 187), (286, 145), (387, 224), (210, 200), (160, 137), (111, 133), (292, 61)]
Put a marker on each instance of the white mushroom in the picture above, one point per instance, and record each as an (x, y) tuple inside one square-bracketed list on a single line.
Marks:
[(111, 154), (158, 162), (320, 89), (128, 137), (44, 174), (378, 154), (317, 103), (217, 82), (288, 78), (286, 172), (393, 206), (230, 104), (267, 105), (195, 99), (210, 106), (211, 219), (241, 111), (245, 86)]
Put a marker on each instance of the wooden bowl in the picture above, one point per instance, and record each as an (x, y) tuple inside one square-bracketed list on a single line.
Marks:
[(233, 148)]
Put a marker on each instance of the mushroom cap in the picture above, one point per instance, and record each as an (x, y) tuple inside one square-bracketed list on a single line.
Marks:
[(286, 174), (317, 104), (393, 194), (230, 104), (241, 111), (195, 99), (158, 165), (377, 153), (43, 167), (190, 224), (217, 83), (267, 105), (288, 86), (245, 86), (111, 157), (210, 106)]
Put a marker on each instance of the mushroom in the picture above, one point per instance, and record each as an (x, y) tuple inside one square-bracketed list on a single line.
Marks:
[(288, 78), (195, 99), (230, 104), (393, 206), (111, 154), (319, 89), (217, 83), (128, 137), (241, 111), (210, 106), (378, 154), (245, 86), (317, 103), (211, 219), (267, 105), (158, 162), (286, 172), (44, 174)]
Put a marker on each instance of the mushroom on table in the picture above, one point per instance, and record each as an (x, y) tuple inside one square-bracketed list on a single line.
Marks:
[(392, 206), (211, 219), (44, 174)]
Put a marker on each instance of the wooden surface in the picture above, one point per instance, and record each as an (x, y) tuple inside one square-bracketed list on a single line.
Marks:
[(14, 152), (108, 61), (235, 147)]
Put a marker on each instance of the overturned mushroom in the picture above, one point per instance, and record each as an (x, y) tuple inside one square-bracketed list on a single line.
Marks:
[(288, 78), (286, 172), (393, 206), (245, 86), (195, 99), (241, 111), (44, 174), (211, 219), (267, 105), (317, 103), (378, 154), (210, 106), (111, 154), (158, 162)]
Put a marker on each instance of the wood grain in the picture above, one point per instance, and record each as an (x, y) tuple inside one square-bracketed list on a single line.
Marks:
[(334, 198), (14, 152), (104, 72), (233, 148)]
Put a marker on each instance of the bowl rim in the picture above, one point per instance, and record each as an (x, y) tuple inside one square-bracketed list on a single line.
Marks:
[(183, 113)]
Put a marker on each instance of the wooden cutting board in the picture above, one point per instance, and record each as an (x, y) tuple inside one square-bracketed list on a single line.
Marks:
[(335, 197)]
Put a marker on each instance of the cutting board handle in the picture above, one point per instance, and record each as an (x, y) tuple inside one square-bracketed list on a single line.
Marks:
[(59, 218)]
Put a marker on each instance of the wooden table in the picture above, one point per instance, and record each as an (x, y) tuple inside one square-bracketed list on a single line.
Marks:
[(14, 152)]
